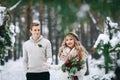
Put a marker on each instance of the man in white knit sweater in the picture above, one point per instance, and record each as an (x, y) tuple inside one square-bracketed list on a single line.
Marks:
[(37, 54)]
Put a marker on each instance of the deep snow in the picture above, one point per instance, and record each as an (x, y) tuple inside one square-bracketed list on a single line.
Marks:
[(13, 70)]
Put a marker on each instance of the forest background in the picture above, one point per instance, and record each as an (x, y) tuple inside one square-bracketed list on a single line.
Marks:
[(57, 17)]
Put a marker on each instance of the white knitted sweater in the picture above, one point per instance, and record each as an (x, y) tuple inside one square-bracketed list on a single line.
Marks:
[(35, 55)]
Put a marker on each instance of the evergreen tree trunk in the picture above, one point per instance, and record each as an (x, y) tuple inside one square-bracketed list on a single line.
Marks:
[(28, 19), (107, 58)]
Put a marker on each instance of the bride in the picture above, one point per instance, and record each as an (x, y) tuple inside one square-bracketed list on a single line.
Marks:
[(71, 47)]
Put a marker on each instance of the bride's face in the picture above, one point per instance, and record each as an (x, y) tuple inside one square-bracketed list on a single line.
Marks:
[(69, 41)]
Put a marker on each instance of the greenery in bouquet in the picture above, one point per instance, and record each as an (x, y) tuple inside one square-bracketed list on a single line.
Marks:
[(73, 65)]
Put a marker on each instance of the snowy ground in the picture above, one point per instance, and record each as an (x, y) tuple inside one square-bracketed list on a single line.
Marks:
[(13, 70)]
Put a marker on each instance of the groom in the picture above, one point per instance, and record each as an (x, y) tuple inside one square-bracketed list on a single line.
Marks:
[(37, 54)]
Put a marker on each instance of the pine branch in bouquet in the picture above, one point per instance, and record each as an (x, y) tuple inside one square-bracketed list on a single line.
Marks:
[(72, 66)]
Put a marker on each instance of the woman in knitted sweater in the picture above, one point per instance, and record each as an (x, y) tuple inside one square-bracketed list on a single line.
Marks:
[(71, 48)]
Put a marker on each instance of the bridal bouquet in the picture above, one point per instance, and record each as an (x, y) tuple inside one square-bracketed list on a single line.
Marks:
[(72, 66)]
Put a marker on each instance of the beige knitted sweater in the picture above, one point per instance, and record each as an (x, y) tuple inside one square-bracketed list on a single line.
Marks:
[(35, 55), (72, 53)]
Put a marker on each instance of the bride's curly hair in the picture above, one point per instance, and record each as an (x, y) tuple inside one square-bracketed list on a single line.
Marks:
[(81, 51)]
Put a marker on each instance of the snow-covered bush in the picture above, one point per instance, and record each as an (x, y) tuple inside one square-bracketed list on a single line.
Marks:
[(108, 43), (7, 32)]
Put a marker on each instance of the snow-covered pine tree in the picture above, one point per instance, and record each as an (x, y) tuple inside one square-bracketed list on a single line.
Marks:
[(7, 32), (108, 43)]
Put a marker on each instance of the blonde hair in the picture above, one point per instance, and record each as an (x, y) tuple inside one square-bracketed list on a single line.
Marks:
[(33, 24), (81, 51)]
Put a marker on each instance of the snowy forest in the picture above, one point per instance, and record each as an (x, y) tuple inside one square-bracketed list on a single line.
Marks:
[(95, 21)]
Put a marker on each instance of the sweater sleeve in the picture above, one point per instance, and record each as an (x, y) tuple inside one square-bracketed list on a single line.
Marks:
[(49, 52), (25, 57)]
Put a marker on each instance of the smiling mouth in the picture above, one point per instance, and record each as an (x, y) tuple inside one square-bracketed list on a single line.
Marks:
[(69, 43)]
